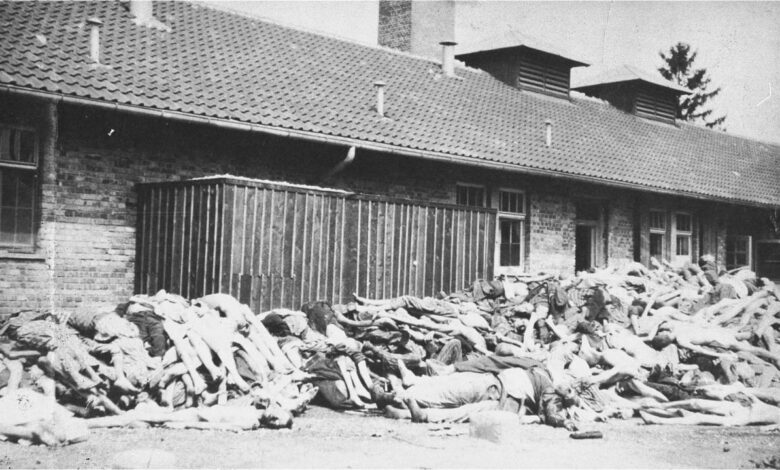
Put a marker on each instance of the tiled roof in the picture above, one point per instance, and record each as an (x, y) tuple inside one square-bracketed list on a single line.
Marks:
[(515, 39), (227, 66), (623, 73)]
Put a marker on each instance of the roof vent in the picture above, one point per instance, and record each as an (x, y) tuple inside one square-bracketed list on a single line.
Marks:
[(143, 14), (448, 57), (380, 97), (94, 38), (548, 134)]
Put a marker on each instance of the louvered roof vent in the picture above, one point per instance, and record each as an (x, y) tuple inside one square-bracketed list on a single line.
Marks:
[(523, 62), (635, 91)]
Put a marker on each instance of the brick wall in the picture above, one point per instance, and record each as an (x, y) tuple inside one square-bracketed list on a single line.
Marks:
[(620, 224), (416, 27), (552, 230), (395, 24)]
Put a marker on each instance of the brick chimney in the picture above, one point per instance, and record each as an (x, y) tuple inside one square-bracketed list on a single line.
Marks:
[(415, 26)]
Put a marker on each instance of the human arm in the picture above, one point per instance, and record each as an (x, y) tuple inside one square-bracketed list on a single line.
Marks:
[(684, 342)]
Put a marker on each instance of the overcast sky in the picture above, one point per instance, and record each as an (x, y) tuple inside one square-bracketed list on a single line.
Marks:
[(738, 42)]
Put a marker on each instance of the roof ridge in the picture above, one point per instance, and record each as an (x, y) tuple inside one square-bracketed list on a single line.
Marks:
[(283, 24), (700, 126)]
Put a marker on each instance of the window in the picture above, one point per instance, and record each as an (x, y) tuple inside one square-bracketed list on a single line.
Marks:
[(18, 178), (657, 220), (511, 201), (657, 233), (683, 234), (510, 236), (470, 195), (738, 251), (511, 242), (657, 245)]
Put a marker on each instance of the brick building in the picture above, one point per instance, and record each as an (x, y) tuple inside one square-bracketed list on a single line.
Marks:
[(97, 97)]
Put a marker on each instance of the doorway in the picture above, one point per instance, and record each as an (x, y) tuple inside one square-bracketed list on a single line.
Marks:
[(585, 247), (587, 236)]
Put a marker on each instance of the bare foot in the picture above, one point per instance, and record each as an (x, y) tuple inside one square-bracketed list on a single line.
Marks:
[(418, 415), (407, 377), (396, 413), (125, 386)]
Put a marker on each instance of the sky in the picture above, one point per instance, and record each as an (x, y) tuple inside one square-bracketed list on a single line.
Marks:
[(737, 42)]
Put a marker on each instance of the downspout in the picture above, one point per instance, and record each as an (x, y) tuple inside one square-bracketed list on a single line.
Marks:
[(341, 165)]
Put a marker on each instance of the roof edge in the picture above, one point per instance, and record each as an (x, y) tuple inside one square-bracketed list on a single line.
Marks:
[(573, 62), (367, 145)]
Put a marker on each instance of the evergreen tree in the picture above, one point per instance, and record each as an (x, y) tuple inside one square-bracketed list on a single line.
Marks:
[(678, 67)]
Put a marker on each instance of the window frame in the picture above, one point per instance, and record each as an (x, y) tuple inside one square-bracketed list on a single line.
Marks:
[(684, 233), (36, 148), (34, 168), (748, 252), (662, 231), (485, 198), (522, 217)]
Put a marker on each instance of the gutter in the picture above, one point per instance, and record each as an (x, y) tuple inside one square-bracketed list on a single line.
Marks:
[(361, 144)]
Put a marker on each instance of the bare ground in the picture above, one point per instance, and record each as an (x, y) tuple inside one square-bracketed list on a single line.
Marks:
[(324, 438)]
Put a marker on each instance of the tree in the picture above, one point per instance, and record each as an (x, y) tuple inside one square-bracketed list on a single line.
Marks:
[(678, 67)]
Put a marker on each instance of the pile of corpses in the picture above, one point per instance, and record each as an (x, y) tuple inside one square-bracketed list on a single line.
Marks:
[(685, 344)]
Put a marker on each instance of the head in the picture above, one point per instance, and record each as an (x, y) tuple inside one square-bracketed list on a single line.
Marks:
[(276, 417), (567, 393), (493, 392), (663, 339)]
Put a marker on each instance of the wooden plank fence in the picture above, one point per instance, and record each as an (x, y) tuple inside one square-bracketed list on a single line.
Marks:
[(276, 245)]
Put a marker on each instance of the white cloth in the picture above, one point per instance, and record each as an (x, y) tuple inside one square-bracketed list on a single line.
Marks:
[(514, 289), (517, 384), (450, 391)]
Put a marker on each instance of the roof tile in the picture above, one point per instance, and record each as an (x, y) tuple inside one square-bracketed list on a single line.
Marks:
[(219, 64)]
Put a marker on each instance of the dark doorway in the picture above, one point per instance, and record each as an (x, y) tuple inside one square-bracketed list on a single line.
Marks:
[(583, 251)]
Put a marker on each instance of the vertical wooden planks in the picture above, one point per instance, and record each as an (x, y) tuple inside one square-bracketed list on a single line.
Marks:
[(349, 258), (279, 246)]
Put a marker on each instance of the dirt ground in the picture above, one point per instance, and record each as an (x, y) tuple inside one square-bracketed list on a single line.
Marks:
[(324, 438)]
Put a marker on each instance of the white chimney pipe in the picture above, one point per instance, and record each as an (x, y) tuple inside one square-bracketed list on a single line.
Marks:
[(94, 39), (380, 97), (448, 57), (142, 11), (548, 138)]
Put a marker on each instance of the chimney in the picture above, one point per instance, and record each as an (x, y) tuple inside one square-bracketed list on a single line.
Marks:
[(416, 26), (548, 136), (94, 38), (142, 11), (380, 97), (448, 57)]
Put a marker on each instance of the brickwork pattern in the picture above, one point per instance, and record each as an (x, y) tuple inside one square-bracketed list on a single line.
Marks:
[(620, 223), (395, 24), (552, 227)]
